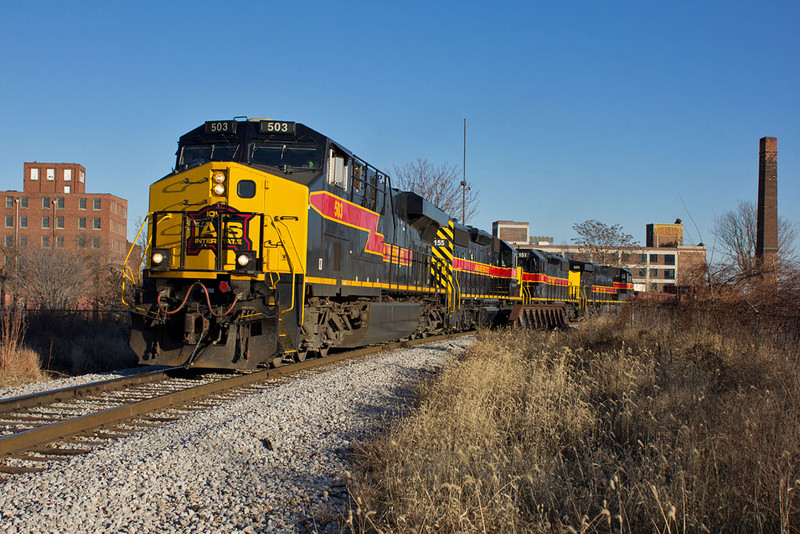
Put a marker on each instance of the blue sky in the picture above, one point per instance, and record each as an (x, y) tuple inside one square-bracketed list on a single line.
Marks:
[(628, 112)]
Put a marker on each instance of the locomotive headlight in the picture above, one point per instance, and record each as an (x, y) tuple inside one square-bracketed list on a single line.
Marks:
[(246, 262), (159, 259), (219, 189), (218, 177)]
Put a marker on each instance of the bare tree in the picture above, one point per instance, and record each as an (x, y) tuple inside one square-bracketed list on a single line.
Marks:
[(139, 248), (142, 226), (50, 279), (600, 243), (441, 185), (735, 231)]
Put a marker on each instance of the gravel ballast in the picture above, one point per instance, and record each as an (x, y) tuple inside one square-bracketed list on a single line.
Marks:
[(274, 461)]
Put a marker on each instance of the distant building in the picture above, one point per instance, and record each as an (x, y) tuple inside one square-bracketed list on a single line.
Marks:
[(665, 235), (659, 269), (513, 232), (53, 210), (660, 266), (540, 240)]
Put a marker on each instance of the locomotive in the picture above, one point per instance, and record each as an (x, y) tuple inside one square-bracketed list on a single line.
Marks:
[(270, 242)]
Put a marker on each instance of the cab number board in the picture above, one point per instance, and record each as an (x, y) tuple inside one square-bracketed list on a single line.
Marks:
[(220, 127), (277, 127)]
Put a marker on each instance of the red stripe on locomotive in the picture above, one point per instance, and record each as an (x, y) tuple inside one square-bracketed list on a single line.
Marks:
[(339, 210)]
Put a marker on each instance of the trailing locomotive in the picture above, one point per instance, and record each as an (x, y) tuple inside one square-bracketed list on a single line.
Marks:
[(270, 241)]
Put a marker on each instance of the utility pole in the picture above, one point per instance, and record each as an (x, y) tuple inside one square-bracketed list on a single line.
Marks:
[(16, 234), (53, 223), (464, 178)]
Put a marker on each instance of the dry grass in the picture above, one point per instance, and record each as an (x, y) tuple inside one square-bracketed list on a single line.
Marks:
[(672, 420), (18, 364)]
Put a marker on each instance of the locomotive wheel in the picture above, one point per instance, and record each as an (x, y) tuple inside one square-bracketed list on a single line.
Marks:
[(323, 352), (300, 355), (277, 362)]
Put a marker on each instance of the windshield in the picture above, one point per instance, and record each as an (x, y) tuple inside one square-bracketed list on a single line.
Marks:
[(279, 154), (199, 154)]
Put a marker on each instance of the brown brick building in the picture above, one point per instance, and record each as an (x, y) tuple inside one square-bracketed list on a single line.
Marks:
[(513, 232), (53, 210), (665, 235)]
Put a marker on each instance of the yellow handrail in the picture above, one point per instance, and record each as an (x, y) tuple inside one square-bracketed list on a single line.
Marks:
[(291, 264), (125, 267), (456, 296)]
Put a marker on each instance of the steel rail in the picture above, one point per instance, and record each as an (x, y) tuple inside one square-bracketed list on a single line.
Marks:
[(83, 390), (28, 439)]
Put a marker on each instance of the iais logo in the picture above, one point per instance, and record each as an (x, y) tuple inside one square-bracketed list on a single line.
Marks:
[(207, 225)]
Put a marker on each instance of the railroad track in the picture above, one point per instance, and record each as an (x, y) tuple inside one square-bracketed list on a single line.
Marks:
[(39, 429)]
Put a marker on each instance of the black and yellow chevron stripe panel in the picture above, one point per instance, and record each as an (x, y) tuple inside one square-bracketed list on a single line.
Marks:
[(442, 264)]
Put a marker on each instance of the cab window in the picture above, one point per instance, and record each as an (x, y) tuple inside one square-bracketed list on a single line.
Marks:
[(358, 171), (200, 154), (338, 169), (280, 154)]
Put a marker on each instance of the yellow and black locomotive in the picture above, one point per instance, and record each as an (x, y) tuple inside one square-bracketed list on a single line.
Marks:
[(269, 242)]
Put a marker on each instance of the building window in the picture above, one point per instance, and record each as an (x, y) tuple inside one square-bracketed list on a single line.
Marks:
[(45, 241), (81, 242), (95, 242), (60, 203), (23, 202), (642, 258), (653, 258), (59, 222), (34, 174), (96, 204), (59, 241), (67, 189), (9, 202), (81, 175), (23, 221), (642, 273), (45, 222), (9, 221), (9, 240), (23, 240), (81, 203), (82, 222), (669, 259), (51, 174), (67, 175), (45, 203), (669, 274), (96, 223)]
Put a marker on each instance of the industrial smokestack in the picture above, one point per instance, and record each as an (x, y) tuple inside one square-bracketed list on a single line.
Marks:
[(767, 223)]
